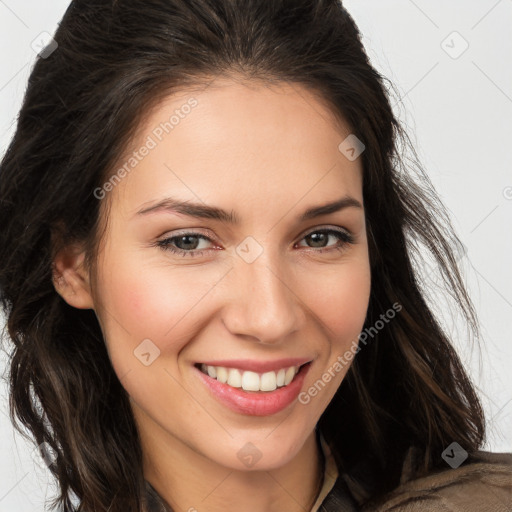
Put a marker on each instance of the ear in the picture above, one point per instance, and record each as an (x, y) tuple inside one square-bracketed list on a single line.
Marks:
[(70, 278)]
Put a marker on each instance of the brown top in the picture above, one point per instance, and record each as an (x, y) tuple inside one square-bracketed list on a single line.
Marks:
[(482, 484)]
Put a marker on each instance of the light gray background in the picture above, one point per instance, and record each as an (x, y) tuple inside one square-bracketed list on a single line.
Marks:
[(458, 112)]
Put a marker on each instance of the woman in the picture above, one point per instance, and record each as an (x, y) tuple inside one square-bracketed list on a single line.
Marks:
[(208, 269)]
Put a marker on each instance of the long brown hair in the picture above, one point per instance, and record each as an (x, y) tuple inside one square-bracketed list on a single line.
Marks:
[(115, 60)]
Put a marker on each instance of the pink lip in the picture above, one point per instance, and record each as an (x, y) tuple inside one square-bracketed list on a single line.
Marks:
[(256, 403), (258, 366)]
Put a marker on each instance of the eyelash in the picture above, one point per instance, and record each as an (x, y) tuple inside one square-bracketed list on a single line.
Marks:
[(344, 236)]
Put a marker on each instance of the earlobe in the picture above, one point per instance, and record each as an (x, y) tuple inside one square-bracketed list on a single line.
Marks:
[(70, 278)]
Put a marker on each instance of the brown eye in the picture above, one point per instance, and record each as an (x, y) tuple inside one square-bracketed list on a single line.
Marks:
[(320, 238)]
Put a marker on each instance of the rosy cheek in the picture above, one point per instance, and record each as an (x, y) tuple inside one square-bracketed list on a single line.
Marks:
[(154, 304), (146, 308), (341, 302)]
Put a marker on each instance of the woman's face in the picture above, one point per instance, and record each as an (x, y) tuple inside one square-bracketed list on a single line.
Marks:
[(261, 281)]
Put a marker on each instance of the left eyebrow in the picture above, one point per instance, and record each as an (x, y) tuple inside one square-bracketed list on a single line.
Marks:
[(203, 211), (335, 206)]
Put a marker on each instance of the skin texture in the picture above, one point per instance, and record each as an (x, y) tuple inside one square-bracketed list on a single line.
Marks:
[(268, 153)]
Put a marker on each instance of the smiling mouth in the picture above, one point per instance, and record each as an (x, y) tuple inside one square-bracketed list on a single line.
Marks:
[(249, 380)]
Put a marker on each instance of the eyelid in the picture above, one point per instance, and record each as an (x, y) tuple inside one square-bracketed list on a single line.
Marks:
[(198, 232), (326, 227), (187, 231), (190, 231), (161, 241)]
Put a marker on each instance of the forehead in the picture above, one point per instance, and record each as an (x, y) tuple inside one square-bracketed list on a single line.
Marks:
[(246, 141)]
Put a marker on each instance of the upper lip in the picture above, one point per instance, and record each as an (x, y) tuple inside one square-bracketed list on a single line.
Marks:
[(258, 366)]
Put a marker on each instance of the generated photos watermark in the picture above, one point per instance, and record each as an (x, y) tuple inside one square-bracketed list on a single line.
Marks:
[(344, 359), (151, 142)]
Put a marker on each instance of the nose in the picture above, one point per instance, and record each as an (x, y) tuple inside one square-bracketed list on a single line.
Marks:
[(264, 303)]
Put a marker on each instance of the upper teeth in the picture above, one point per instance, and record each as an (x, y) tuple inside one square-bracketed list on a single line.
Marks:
[(251, 381)]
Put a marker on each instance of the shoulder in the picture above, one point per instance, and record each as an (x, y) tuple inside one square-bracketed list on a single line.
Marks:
[(482, 484)]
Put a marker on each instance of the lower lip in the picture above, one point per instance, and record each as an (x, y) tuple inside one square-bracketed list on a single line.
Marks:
[(256, 403)]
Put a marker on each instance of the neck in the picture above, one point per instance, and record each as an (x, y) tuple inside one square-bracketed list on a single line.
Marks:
[(188, 481)]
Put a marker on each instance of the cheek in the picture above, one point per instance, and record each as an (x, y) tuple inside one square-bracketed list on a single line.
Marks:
[(339, 300), (151, 302), (151, 310)]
